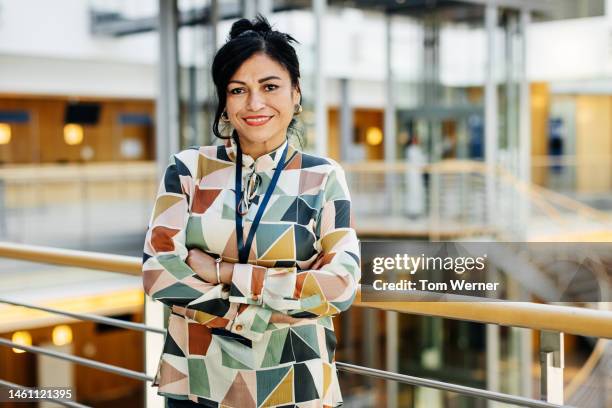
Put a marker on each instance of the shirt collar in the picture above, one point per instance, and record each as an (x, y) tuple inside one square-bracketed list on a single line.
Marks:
[(264, 162)]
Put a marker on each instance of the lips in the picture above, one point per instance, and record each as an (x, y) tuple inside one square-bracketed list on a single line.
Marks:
[(258, 120)]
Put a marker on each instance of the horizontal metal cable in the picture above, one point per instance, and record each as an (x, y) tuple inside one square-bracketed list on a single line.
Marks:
[(65, 403), (80, 360), (90, 317), (460, 389)]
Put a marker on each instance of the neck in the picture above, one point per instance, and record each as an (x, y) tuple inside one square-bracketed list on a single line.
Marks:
[(256, 150)]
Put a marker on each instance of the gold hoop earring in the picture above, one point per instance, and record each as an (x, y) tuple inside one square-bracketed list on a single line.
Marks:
[(297, 109), (224, 116)]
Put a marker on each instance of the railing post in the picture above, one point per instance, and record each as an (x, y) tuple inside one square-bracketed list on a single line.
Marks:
[(491, 114), (392, 356), (319, 8), (551, 365)]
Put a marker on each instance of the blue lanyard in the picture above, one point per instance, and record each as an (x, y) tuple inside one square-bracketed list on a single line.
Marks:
[(244, 248)]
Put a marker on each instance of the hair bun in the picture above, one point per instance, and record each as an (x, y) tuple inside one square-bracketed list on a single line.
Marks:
[(244, 27)]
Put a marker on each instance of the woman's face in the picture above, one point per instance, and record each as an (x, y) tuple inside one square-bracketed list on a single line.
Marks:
[(260, 103)]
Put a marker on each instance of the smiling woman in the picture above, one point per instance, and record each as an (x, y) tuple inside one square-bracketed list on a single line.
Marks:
[(251, 245)]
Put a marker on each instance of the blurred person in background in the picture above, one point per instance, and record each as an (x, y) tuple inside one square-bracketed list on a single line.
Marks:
[(251, 244), (415, 182)]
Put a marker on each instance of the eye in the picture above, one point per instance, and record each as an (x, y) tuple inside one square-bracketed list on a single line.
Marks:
[(236, 91), (270, 87)]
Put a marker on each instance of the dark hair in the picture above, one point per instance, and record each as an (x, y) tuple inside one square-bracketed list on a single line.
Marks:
[(245, 39)]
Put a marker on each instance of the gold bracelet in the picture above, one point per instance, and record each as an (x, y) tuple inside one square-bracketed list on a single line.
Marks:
[(217, 263)]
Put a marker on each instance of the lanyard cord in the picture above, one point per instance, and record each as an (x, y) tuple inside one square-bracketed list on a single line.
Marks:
[(244, 248)]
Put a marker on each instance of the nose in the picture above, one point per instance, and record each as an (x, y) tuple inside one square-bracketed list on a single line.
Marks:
[(255, 101)]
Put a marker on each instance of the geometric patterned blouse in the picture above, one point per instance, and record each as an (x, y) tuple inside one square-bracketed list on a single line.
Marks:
[(221, 349)]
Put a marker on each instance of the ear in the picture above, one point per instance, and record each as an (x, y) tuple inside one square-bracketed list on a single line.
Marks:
[(296, 95)]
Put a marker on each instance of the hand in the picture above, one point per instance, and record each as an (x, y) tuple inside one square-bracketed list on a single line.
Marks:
[(203, 265), (283, 318)]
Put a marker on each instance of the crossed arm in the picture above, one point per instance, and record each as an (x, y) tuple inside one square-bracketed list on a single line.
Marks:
[(204, 266)]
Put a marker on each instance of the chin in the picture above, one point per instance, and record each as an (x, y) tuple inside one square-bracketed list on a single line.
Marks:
[(258, 136)]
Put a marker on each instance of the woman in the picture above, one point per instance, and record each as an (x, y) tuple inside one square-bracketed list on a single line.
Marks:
[(254, 278)]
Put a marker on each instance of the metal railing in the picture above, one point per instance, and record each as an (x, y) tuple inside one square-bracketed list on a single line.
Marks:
[(552, 320)]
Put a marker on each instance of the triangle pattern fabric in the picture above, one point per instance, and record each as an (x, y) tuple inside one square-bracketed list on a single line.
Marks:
[(287, 355), (165, 202), (171, 374), (239, 394), (291, 214), (177, 292), (283, 248), (305, 388), (199, 339), (312, 161), (310, 181), (305, 212), (265, 182), (305, 250), (228, 361), (170, 347), (208, 165), (275, 347), (330, 343), (277, 207), (203, 199), (198, 377), (151, 276), (327, 378), (295, 163), (267, 381), (267, 234), (194, 233), (302, 350), (231, 248), (283, 394), (308, 334)]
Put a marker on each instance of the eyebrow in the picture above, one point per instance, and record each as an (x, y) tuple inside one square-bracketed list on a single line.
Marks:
[(260, 81)]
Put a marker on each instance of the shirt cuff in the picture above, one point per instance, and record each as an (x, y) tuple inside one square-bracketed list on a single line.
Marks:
[(251, 322), (247, 284)]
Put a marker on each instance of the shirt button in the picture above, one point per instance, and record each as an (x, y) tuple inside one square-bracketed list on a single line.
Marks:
[(238, 327)]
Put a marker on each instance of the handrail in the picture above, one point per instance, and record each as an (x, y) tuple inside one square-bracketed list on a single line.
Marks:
[(537, 316), (572, 320), (71, 257)]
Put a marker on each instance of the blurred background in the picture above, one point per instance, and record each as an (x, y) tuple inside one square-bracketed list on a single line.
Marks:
[(454, 120)]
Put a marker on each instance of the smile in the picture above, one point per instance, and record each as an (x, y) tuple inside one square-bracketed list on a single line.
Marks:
[(257, 120)]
